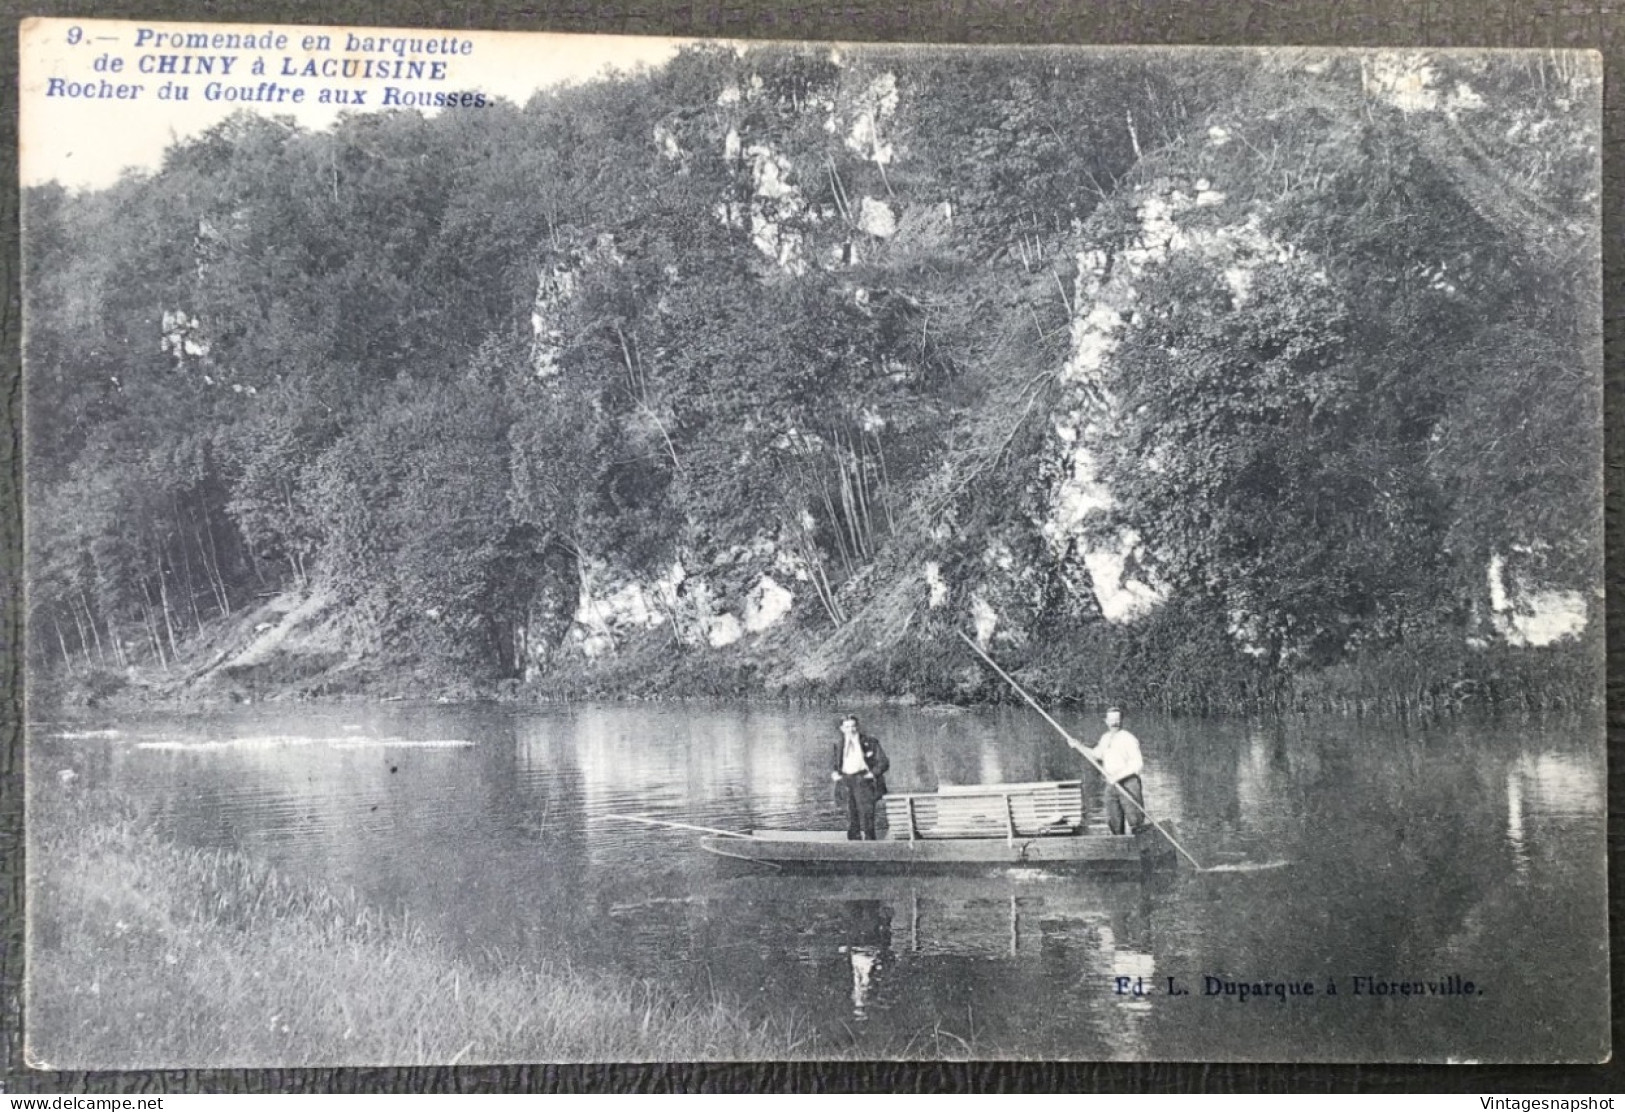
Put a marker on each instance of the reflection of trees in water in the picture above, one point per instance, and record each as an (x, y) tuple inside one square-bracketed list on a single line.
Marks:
[(1414, 852), (932, 748), (776, 777), (725, 764), (1458, 846), (1561, 784), (1545, 793)]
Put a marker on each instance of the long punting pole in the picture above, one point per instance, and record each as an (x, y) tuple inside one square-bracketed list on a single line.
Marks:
[(1078, 745), (675, 825)]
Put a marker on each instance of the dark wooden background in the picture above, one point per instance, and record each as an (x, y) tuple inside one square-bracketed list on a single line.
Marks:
[(1594, 24)]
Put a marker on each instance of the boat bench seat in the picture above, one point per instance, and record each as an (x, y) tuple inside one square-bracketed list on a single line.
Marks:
[(987, 811)]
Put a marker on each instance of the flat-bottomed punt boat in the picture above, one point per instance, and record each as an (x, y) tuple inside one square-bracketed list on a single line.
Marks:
[(978, 827)]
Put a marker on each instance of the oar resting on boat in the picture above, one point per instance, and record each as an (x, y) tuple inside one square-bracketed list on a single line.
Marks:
[(674, 825), (714, 834)]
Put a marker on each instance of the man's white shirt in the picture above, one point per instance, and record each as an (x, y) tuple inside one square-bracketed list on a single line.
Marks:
[(1119, 755), (852, 761)]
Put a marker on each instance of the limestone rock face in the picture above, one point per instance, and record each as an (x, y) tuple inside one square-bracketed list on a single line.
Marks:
[(735, 597)]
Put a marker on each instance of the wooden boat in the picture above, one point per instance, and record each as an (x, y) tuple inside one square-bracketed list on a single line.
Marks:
[(977, 827)]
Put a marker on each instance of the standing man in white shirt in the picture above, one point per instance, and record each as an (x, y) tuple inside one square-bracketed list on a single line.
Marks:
[(1118, 756)]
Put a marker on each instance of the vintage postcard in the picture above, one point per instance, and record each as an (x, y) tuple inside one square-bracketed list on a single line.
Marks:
[(560, 549)]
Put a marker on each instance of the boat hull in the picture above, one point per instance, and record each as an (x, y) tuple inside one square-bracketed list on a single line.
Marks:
[(824, 851)]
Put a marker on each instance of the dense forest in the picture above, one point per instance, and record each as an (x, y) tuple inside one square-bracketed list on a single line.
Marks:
[(1204, 380)]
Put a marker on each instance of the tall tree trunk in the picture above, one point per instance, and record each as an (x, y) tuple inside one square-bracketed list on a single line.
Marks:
[(163, 605), (861, 480), (186, 569), (116, 635), (835, 525), (79, 625), (826, 592), (669, 605), (90, 617), (885, 484), (841, 525), (294, 559), (247, 558), (849, 511), (818, 577), (211, 552), (152, 626)]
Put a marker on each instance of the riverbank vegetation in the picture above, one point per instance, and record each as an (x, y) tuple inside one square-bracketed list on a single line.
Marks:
[(151, 954), (1250, 381)]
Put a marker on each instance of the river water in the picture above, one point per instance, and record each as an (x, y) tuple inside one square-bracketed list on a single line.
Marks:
[(1335, 850)]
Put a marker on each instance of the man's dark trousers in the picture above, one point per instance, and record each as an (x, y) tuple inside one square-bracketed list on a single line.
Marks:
[(1122, 816), (860, 794)]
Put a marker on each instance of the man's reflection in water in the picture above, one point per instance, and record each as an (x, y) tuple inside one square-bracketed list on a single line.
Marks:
[(1125, 941), (868, 949)]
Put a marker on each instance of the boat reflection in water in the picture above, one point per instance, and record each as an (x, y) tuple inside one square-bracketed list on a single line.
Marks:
[(888, 944)]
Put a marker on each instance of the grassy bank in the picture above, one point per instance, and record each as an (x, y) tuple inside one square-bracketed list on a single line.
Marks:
[(1175, 661), (149, 954)]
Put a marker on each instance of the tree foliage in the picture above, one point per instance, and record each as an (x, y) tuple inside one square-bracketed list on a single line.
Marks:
[(821, 302)]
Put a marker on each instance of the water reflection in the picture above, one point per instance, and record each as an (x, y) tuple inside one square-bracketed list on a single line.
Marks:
[(1546, 789), (1463, 848), (1561, 784), (868, 949), (1515, 836), (909, 946)]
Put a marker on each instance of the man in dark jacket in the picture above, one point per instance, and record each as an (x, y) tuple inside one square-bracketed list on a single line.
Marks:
[(858, 769)]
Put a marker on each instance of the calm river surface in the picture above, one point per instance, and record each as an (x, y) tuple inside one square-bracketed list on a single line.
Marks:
[(1469, 849)]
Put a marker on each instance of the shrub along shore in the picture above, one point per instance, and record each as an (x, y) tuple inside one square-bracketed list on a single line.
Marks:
[(1167, 671), (149, 954)]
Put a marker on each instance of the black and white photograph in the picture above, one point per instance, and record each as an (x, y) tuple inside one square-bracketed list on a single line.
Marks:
[(549, 548)]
